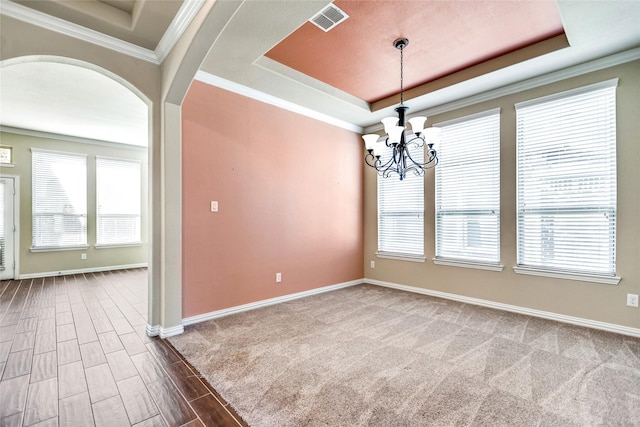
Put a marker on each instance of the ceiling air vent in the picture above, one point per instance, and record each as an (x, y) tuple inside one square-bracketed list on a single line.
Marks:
[(329, 17)]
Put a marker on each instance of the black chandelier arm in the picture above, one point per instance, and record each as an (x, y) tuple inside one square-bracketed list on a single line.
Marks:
[(417, 141), (432, 160)]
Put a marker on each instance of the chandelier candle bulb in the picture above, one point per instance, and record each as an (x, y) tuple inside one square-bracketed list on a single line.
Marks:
[(370, 141), (417, 124), (389, 123), (395, 135)]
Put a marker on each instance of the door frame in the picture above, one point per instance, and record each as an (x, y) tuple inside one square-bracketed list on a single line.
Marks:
[(16, 221)]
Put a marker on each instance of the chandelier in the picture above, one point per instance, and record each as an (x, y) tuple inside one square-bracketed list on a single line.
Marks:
[(399, 139)]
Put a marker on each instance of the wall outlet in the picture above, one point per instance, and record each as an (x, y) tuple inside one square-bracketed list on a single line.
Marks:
[(372, 264), (632, 300), (278, 277), (214, 206), (83, 256)]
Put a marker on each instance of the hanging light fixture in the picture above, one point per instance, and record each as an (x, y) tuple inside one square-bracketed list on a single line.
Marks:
[(399, 139)]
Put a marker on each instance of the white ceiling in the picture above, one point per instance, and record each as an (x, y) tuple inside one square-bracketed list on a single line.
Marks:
[(69, 100), (82, 103)]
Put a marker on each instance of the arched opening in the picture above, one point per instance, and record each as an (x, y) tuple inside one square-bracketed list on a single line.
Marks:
[(68, 103)]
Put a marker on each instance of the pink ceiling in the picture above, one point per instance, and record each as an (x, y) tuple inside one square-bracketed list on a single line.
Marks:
[(358, 56)]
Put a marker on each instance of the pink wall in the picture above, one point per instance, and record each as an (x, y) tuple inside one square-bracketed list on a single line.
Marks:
[(290, 193)]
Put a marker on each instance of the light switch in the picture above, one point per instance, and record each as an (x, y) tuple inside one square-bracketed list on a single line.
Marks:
[(214, 206)]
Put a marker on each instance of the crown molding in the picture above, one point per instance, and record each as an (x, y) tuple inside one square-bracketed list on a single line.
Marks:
[(178, 26), (61, 26), (543, 80), (69, 138), (216, 81), (183, 18), (531, 83)]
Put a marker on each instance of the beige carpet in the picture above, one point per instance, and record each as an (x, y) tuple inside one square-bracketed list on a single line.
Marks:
[(371, 356)]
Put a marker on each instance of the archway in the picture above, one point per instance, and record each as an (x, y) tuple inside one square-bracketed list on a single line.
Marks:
[(63, 96)]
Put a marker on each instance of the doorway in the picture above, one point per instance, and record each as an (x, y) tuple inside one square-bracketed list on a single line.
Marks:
[(7, 228)]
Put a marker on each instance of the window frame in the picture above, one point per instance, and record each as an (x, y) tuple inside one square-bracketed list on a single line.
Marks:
[(489, 210), (549, 270), (417, 238), (138, 241), (34, 204)]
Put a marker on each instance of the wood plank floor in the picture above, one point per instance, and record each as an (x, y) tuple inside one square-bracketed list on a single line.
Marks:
[(73, 352)]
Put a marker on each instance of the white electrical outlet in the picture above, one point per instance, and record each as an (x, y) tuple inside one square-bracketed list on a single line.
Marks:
[(632, 300), (372, 264), (278, 277), (214, 206), (83, 256)]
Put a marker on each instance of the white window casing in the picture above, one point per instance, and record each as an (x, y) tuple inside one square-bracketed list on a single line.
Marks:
[(118, 199), (566, 183), (467, 205), (59, 204), (401, 213)]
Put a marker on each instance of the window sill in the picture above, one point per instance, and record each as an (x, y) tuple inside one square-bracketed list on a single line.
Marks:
[(608, 280), (7, 165), (118, 245), (469, 264), (60, 248), (401, 257)]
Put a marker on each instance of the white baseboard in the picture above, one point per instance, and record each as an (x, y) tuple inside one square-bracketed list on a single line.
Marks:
[(157, 330), (610, 327), (152, 331), (169, 332), (264, 303), (80, 271)]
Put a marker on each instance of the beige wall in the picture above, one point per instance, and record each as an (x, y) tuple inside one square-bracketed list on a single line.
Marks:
[(34, 263), (594, 301)]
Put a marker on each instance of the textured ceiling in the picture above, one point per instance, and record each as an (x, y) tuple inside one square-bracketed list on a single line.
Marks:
[(358, 57)]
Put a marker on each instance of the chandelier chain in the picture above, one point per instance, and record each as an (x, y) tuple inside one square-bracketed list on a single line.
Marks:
[(401, 75)]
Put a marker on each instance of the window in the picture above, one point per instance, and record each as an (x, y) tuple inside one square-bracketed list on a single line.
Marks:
[(401, 211), (118, 202), (468, 189), (567, 181), (59, 205)]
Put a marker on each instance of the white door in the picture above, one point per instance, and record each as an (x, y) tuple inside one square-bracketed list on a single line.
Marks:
[(7, 228)]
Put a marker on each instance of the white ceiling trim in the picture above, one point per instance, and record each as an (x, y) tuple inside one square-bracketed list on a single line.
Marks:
[(300, 78), (181, 21), (532, 83), (225, 84), (183, 18), (67, 28), (69, 138)]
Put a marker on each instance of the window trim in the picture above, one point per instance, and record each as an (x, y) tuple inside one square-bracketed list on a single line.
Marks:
[(36, 249), (390, 254), (138, 242), (75, 247), (451, 262), (462, 262), (118, 245), (559, 273), (401, 257)]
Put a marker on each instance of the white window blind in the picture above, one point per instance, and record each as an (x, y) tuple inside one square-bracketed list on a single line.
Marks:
[(468, 189), (567, 181), (59, 205), (401, 211), (118, 201)]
